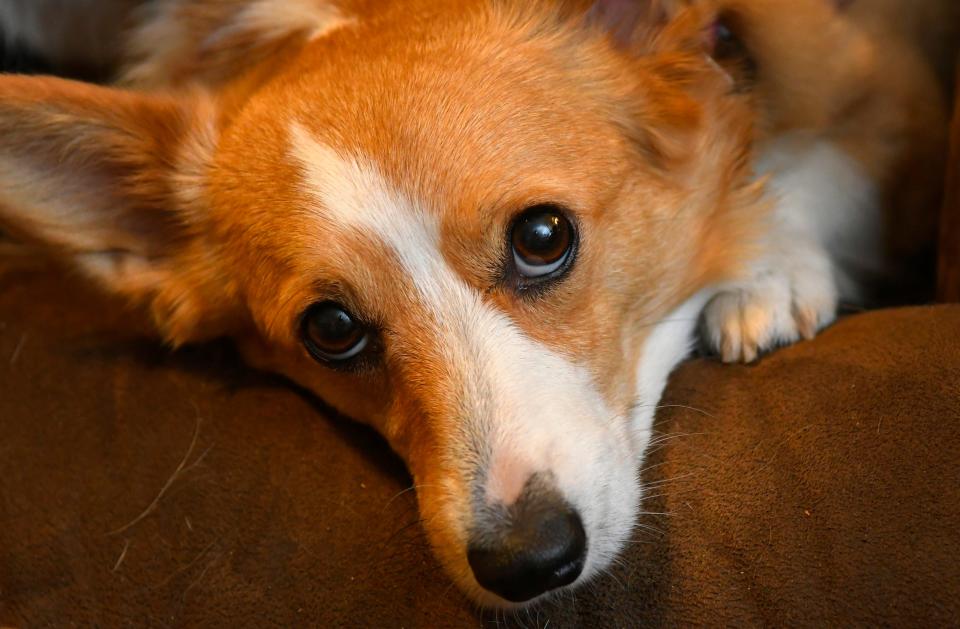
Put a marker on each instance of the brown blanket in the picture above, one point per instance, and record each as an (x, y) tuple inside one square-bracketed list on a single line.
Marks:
[(820, 487)]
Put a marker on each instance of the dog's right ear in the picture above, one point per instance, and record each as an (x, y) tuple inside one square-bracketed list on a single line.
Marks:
[(112, 182)]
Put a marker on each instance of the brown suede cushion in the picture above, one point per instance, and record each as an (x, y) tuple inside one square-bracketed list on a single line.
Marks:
[(819, 487)]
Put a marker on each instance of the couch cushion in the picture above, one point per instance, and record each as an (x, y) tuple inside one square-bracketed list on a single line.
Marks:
[(140, 486)]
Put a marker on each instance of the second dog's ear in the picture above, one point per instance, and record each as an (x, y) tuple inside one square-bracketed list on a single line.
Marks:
[(628, 21), (111, 182)]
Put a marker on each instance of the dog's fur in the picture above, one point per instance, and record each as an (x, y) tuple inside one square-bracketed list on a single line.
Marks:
[(266, 155)]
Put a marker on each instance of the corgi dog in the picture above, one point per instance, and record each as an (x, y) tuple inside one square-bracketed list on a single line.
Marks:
[(490, 228)]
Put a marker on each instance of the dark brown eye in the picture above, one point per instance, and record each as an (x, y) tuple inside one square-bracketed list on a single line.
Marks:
[(727, 46), (542, 241), (332, 334)]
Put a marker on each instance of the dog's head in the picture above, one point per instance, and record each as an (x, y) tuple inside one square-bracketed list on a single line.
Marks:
[(465, 225)]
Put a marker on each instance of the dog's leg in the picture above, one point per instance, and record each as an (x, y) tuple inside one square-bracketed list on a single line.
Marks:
[(825, 210)]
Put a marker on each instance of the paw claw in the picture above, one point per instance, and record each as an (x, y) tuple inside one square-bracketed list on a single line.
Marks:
[(729, 350), (806, 322), (749, 353)]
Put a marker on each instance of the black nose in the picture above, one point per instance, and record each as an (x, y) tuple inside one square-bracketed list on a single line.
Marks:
[(532, 547)]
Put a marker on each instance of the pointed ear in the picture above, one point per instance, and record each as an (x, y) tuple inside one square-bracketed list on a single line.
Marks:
[(111, 181), (628, 21)]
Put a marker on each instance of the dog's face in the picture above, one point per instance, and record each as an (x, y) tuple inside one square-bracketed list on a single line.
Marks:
[(462, 229)]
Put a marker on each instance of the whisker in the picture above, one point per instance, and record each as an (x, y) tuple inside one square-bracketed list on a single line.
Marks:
[(651, 467), (181, 469), (658, 441), (404, 491), (648, 529), (665, 481), (687, 407), (671, 493)]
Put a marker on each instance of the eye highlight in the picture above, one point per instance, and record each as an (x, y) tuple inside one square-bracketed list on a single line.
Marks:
[(331, 334), (542, 241)]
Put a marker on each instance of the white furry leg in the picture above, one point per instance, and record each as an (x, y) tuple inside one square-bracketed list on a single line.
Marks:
[(791, 295), (826, 210)]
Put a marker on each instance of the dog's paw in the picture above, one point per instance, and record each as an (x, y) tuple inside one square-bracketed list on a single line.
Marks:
[(780, 304)]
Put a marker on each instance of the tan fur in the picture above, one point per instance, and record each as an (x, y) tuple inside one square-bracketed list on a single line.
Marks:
[(183, 42)]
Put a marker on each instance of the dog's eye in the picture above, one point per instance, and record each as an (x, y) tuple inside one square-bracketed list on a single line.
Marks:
[(726, 44), (722, 34), (331, 334), (542, 241)]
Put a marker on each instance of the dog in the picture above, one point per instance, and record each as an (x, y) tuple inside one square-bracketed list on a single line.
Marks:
[(490, 229)]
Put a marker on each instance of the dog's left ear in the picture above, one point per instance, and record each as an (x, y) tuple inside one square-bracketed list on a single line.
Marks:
[(628, 21), (112, 183)]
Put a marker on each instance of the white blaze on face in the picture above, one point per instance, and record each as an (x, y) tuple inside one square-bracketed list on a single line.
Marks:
[(532, 409)]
